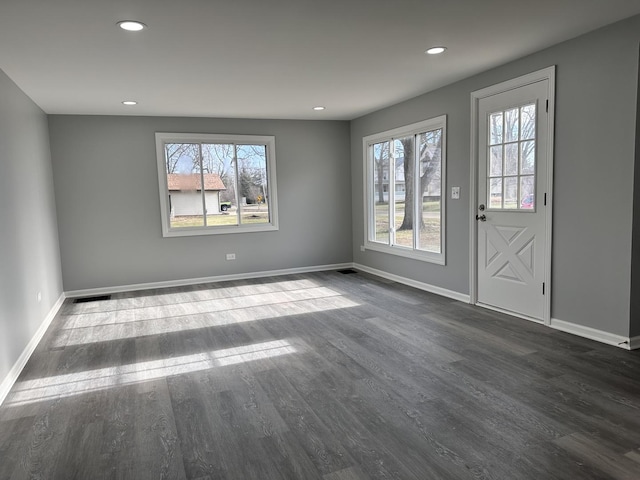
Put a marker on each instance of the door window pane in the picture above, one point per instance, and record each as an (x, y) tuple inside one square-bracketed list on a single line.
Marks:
[(511, 159), (527, 195), (528, 122), (495, 128), (511, 125), (510, 193), (495, 168), (528, 157), (495, 192)]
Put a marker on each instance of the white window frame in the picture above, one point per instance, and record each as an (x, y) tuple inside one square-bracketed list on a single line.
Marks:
[(435, 123), (163, 138)]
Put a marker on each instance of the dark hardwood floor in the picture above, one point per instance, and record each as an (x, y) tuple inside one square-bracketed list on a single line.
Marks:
[(318, 376)]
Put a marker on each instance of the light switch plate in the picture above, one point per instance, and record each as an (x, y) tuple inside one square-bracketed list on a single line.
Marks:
[(455, 193)]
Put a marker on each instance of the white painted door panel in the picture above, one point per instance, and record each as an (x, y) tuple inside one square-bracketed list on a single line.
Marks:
[(512, 163)]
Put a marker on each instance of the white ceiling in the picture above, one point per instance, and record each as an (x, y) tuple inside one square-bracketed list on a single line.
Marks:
[(271, 58)]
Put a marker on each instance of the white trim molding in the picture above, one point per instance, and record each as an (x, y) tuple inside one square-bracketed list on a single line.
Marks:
[(414, 283), (198, 281), (634, 343), (14, 373), (369, 194), (269, 175), (595, 334)]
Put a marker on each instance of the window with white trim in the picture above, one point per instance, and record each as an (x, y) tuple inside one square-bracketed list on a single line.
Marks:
[(405, 190), (212, 184)]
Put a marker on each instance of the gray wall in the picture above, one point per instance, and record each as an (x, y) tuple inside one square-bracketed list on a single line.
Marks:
[(596, 87), (29, 252), (109, 214), (634, 328)]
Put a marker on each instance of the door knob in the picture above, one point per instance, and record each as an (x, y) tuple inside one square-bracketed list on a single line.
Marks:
[(482, 218)]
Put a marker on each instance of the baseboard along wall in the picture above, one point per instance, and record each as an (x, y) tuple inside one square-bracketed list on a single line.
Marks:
[(197, 281), (462, 297), (14, 373), (595, 334)]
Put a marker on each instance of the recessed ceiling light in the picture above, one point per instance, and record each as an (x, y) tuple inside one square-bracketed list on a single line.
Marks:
[(436, 50), (129, 102), (318, 108), (131, 25)]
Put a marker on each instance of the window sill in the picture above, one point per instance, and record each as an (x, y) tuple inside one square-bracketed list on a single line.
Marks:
[(197, 231), (430, 257)]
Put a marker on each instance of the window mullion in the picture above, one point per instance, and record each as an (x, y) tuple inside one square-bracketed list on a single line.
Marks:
[(417, 192), (262, 176), (392, 193), (202, 185), (371, 195), (372, 224), (237, 183)]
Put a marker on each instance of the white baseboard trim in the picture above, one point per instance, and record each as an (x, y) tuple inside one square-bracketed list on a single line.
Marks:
[(196, 281), (14, 373), (414, 283), (595, 334)]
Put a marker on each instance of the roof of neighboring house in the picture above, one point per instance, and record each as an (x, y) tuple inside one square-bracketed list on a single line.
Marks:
[(179, 181)]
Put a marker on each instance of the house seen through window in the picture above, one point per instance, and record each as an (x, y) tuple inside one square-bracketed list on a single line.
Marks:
[(216, 184)]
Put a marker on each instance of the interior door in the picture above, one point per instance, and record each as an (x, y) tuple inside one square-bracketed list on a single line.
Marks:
[(511, 200)]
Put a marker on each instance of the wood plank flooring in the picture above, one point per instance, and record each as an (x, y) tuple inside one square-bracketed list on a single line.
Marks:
[(318, 376)]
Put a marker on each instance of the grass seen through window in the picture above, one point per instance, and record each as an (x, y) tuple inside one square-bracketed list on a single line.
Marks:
[(429, 234)]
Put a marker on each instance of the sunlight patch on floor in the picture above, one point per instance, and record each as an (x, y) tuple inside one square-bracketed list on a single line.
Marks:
[(61, 386), (100, 327), (169, 296)]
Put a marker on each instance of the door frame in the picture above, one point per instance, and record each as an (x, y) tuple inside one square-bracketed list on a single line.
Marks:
[(548, 74)]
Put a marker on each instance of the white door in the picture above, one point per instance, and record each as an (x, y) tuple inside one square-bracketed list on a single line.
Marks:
[(511, 200)]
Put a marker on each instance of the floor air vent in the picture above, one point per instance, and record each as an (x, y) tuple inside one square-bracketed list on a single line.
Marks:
[(97, 298), (347, 271)]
